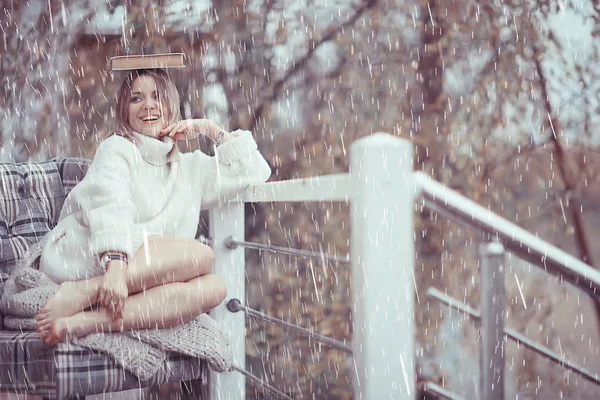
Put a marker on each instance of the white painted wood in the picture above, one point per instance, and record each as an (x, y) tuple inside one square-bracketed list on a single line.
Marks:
[(133, 394), (225, 221), (318, 188), (382, 268)]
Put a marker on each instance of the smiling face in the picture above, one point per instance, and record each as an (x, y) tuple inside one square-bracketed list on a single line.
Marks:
[(144, 95), (147, 111)]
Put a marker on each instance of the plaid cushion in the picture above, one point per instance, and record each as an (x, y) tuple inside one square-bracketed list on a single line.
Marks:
[(66, 370), (31, 197), (72, 170)]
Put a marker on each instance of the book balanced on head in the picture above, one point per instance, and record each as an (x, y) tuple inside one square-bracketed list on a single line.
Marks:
[(147, 61)]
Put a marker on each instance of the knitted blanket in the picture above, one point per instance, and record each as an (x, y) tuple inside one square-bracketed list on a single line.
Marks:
[(142, 352)]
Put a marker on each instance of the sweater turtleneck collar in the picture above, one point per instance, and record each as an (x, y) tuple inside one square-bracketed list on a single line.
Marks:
[(156, 151)]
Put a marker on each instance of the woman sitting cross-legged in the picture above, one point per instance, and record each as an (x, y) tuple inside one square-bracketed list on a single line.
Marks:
[(123, 250)]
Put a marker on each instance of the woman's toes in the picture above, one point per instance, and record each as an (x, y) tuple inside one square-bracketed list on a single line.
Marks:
[(42, 316), (42, 322)]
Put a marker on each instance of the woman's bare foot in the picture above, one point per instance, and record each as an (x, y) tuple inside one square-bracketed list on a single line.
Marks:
[(78, 325), (70, 298)]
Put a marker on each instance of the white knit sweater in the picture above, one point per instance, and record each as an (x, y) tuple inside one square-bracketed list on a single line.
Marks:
[(134, 190)]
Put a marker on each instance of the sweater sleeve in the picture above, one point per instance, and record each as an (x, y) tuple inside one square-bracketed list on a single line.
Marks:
[(236, 165), (103, 198)]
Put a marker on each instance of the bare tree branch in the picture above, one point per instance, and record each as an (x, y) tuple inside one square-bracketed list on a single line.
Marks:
[(564, 169), (277, 86)]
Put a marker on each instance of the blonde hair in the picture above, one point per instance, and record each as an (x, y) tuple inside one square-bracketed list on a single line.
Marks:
[(167, 92)]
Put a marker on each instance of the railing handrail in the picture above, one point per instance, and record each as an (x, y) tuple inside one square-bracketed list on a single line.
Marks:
[(335, 187), (437, 197), (381, 346), (381, 174)]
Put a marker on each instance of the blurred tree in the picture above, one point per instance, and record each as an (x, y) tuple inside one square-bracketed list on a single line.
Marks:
[(39, 39), (499, 102)]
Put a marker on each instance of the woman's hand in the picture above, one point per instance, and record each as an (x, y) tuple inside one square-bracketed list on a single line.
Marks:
[(113, 291), (191, 128)]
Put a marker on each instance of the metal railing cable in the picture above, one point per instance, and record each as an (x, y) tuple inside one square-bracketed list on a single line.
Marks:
[(234, 305), (441, 200), (436, 389), (263, 384), (232, 243), (517, 337)]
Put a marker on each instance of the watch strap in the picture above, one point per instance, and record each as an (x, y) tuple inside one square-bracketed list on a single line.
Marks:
[(106, 258)]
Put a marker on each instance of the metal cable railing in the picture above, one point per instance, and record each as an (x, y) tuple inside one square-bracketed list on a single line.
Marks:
[(439, 200), (232, 243), (517, 337), (234, 305), (385, 192), (444, 201), (256, 381)]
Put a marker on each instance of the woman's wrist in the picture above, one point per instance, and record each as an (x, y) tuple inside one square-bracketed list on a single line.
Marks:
[(116, 265), (221, 138)]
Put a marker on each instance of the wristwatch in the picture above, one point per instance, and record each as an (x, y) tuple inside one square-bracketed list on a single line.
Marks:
[(110, 257)]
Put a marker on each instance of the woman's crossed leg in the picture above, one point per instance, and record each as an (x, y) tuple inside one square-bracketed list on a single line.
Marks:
[(168, 281)]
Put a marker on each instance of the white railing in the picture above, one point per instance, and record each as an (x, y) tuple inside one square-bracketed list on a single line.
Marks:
[(230, 264), (382, 188), (381, 192)]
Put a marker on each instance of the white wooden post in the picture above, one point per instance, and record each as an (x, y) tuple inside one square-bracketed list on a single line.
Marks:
[(227, 221), (382, 267)]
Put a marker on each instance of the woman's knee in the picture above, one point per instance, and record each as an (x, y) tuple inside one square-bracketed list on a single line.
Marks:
[(200, 257), (189, 253), (170, 259), (209, 291)]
